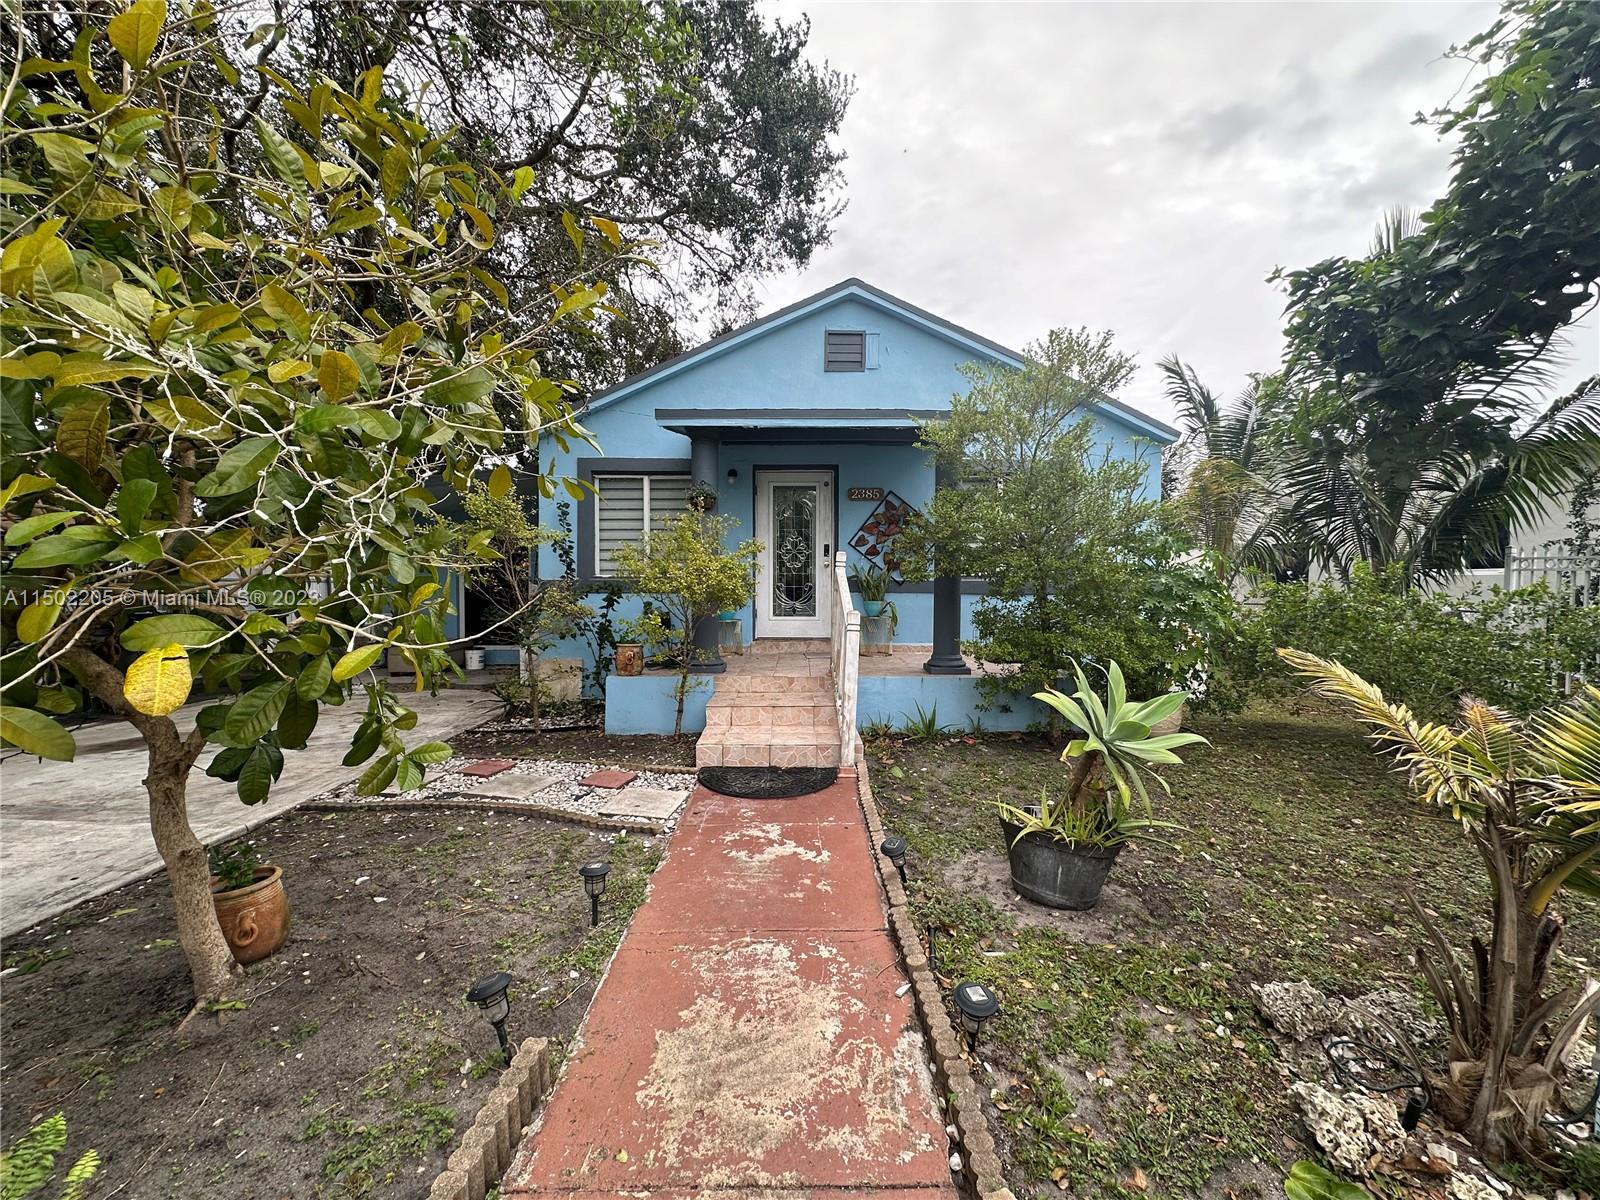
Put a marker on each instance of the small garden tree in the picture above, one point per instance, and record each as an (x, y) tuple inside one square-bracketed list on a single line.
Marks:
[(503, 542), (687, 574), (1527, 794), (227, 374), (1082, 563)]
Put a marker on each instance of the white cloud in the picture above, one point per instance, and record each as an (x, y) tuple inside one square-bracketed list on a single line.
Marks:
[(1138, 167)]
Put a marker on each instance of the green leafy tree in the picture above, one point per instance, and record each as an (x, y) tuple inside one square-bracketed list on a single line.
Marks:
[(1422, 438), (703, 126), (688, 574), (1080, 560), (218, 415), (499, 533)]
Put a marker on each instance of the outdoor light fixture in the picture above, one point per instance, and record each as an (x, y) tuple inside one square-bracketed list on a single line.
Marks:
[(894, 849), (733, 476), (1416, 1105), (976, 1004), (489, 994), (594, 882)]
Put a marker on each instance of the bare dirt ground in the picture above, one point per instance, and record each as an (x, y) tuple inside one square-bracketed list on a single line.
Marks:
[(353, 1063)]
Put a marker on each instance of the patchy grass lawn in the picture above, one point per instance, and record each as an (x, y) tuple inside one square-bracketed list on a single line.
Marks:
[(355, 1063), (1128, 1059)]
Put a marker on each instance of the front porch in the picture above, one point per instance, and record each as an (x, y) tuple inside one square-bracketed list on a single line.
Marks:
[(893, 689)]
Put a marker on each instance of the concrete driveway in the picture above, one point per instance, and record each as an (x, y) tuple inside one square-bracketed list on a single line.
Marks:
[(72, 831)]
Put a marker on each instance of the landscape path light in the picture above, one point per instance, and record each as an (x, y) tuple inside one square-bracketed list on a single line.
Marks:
[(976, 1004), (594, 883), (894, 849), (490, 995)]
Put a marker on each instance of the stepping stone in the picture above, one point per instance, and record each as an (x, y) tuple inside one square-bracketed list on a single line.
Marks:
[(609, 777), (486, 767), (655, 804), (510, 787)]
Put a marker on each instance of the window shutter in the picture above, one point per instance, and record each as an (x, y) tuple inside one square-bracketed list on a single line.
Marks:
[(844, 350), (669, 496), (619, 517)]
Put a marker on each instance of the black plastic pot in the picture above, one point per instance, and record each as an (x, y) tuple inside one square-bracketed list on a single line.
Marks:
[(1048, 871)]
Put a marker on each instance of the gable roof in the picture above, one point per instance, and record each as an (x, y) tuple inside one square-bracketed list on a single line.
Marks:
[(861, 290)]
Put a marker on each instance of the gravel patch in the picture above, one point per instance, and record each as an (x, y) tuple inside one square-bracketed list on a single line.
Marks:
[(564, 792)]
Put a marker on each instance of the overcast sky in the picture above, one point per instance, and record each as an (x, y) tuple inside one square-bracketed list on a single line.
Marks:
[(1137, 167)]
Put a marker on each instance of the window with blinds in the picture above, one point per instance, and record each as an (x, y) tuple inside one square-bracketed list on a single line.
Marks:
[(621, 504)]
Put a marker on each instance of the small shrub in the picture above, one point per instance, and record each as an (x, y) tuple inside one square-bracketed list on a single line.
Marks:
[(925, 726), (234, 865)]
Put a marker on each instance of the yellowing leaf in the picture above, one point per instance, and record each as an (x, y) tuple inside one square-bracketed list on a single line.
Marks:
[(499, 481), (285, 308), (394, 171), (158, 682), (81, 436), (290, 368), (337, 375), (40, 617), (40, 365), (609, 228), (353, 662), (36, 733), (134, 33), (79, 369)]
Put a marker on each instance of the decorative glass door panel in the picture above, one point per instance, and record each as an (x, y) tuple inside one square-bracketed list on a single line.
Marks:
[(794, 523), (794, 550)]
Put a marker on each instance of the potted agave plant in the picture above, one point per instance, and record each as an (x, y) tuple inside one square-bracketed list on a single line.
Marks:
[(1061, 854), (252, 907)]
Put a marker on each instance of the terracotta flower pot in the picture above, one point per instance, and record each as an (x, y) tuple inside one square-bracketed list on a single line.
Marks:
[(254, 918), (630, 659)]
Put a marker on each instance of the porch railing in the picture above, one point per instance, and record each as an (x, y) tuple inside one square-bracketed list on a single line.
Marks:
[(846, 660)]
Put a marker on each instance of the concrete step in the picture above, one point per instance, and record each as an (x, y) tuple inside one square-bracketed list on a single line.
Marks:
[(780, 717), (731, 684), (764, 752)]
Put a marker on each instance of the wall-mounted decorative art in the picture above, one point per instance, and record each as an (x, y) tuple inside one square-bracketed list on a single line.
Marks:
[(874, 541)]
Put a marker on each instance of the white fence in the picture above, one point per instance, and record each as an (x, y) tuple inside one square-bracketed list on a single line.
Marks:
[(1576, 576), (846, 660)]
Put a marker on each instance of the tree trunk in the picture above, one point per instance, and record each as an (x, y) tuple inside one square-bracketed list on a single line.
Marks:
[(212, 969), (211, 965)]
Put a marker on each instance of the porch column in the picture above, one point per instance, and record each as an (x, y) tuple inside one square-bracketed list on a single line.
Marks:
[(946, 658), (703, 461)]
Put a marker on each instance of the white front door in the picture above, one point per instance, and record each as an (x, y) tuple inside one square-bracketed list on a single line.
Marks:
[(794, 523)]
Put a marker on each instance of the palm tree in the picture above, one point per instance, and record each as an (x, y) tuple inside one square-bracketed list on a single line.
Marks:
[(1425, 499), (1225, 472), (1421, 475), (1527, 795)]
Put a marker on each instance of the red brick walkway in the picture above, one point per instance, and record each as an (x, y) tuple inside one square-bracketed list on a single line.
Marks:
[(748, 1036)]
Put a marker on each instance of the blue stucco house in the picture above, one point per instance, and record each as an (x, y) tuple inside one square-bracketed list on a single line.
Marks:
[(805, 421)]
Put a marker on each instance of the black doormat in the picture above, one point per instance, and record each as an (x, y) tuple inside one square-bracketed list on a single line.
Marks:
[(767, 783)]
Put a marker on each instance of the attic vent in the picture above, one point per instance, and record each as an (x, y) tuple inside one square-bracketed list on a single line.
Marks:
[(844, 350)]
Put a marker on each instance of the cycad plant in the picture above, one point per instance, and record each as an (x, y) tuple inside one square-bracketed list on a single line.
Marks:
[(1106, 801), (1527, 795)]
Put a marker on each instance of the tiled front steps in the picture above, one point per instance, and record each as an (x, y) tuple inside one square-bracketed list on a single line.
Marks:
[(762, 720)]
